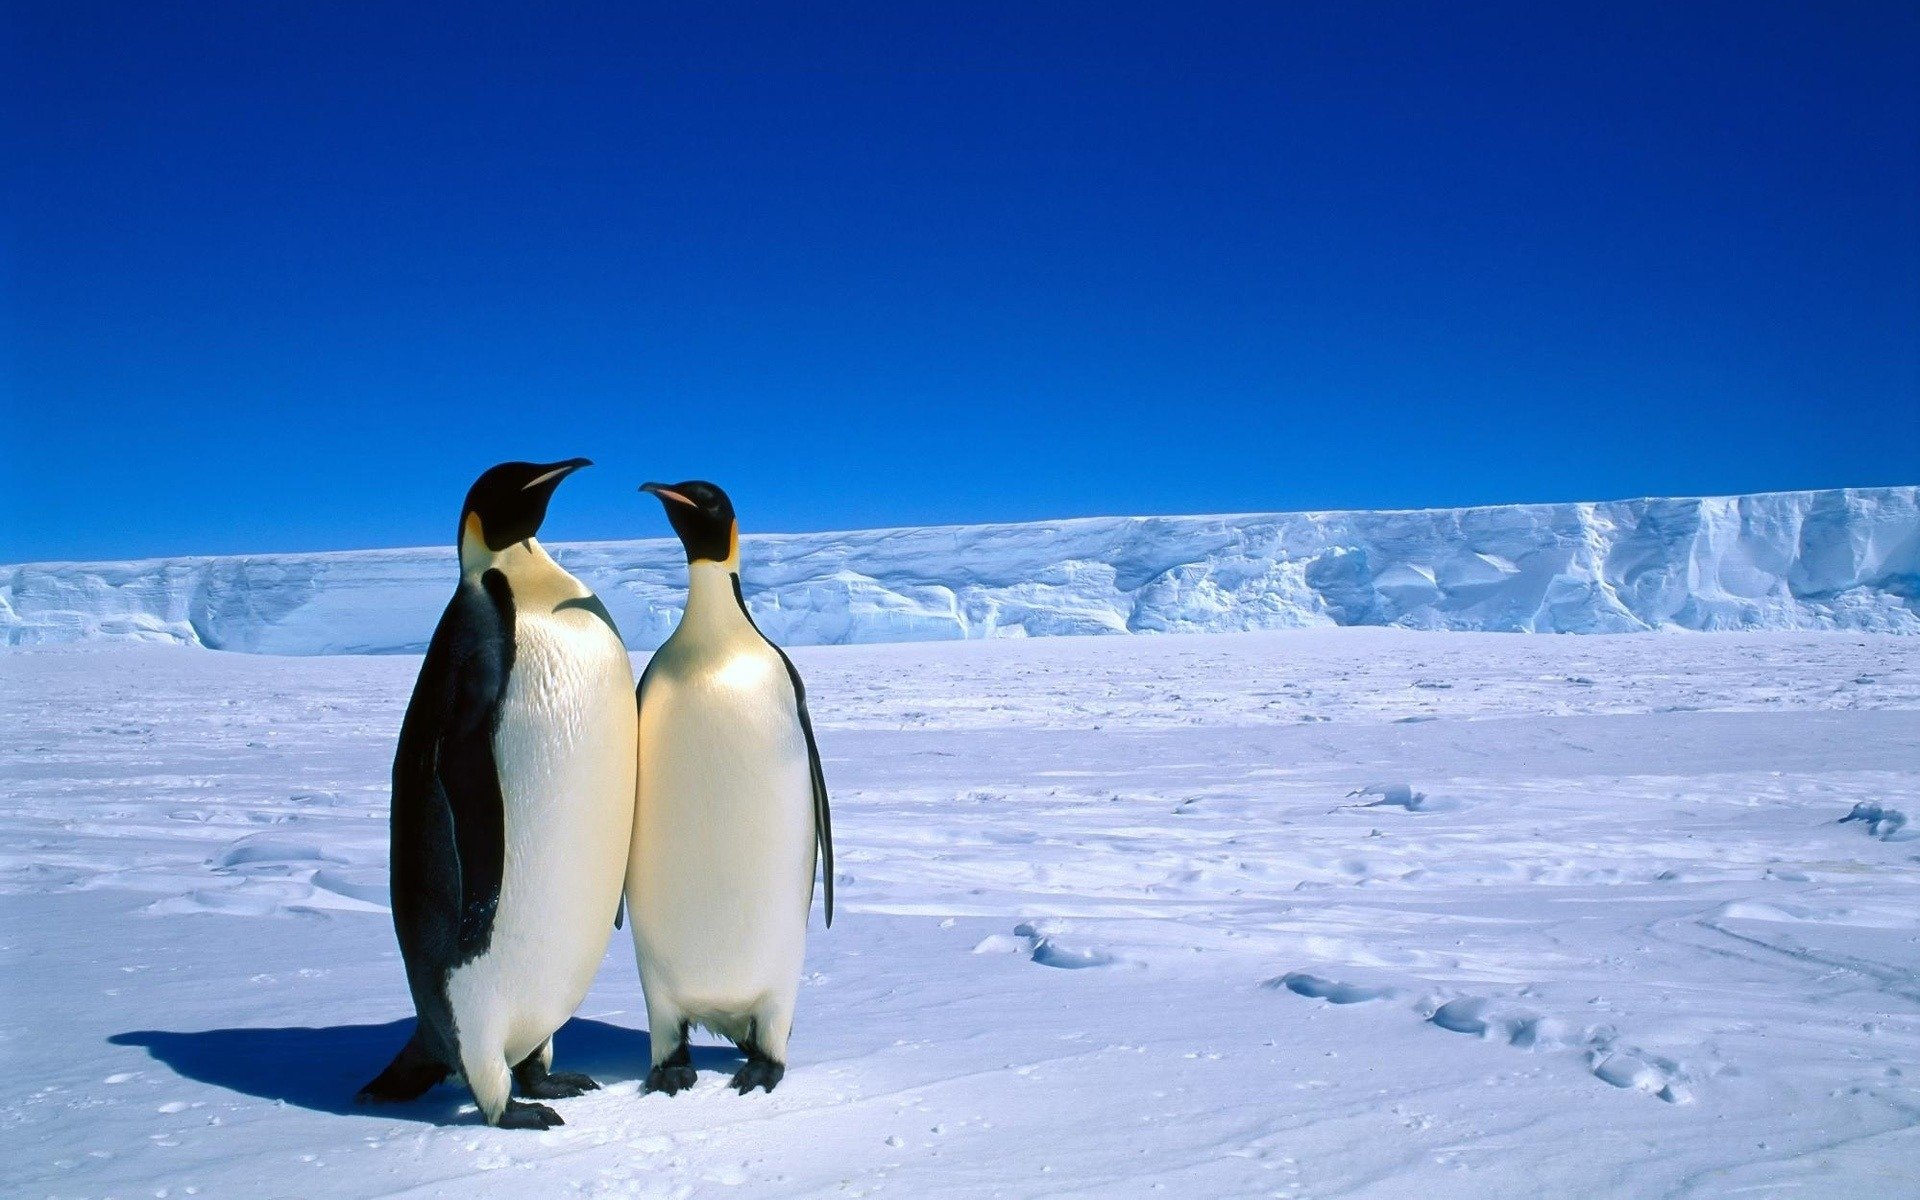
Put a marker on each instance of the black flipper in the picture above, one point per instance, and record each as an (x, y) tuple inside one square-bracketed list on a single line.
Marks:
[(822, 814), (449, 819), (591, 603)]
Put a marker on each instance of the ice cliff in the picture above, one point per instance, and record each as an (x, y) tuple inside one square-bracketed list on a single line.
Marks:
[(1840, 559)]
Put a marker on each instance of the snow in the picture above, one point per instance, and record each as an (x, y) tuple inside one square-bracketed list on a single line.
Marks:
[(1841, 559), (1326, 913)]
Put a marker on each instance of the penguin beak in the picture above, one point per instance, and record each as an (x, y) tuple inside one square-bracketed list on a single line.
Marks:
[(666, 493), (556, 472)]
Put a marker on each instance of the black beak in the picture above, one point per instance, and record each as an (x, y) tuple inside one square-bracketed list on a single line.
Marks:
[(666, 493), (555, 472)]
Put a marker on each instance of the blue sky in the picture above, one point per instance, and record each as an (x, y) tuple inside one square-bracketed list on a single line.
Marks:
[(286, 276)]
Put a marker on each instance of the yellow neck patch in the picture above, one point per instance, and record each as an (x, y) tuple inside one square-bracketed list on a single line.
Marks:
[(474, 551)]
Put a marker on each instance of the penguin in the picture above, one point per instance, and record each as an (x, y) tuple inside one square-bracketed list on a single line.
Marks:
[(730, 819), (512, 811)]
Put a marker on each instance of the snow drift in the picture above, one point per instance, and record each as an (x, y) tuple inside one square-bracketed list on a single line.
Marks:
[(1838, 559)]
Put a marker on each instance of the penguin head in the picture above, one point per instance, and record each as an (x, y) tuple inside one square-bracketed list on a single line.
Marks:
[(703, 517), (507, 504)]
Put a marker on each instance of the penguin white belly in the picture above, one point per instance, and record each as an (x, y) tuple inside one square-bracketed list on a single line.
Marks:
[(722, 867), (565, 751)]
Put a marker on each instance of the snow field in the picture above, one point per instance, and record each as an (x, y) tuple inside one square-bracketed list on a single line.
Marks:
[(1314, 914)]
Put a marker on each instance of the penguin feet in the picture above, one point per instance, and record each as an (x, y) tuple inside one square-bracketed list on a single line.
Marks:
[(671, 1077), (674, 1073), (538, 1083), (521, 1115), (758, 1073), (560, 1085)]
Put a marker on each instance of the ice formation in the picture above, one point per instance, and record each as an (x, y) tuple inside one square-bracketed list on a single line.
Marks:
[(1837, 559)]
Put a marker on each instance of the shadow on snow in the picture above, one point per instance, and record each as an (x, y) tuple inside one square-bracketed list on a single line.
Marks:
[(322, 1068)]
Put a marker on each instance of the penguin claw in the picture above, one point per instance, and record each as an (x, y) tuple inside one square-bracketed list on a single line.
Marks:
[(670, 1078), (521, 1115), (558, 1085), (758, 1073)]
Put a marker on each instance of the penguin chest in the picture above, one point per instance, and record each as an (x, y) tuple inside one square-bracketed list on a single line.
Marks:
[(564, 748), (723, 860)]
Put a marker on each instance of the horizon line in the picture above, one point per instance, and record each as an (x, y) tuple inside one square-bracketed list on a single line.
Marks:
[(881, 529)]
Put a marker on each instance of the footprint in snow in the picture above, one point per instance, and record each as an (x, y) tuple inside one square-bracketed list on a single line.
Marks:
[(1621, 1066), (272, 849), (1036, 940), (318, 798), (1606, 1059), (1627, 1069), (367, 885), (1887, 824), (273, 874), (1332, 991), (1400, 795), (259, 898)]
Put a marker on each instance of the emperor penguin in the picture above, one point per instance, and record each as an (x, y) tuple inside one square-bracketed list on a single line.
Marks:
[(730, 817), (512, 810)]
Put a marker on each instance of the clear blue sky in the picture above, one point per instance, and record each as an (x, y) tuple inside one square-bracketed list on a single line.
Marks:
[(287, 275)]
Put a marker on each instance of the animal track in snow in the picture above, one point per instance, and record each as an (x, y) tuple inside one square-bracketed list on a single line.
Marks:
[(1630, 1069), (1314, 987), (1861, 916), (273, 849), (367, 885), (1401, 795), (254, 898), (273, 874), (1887, 824), (1607, 1059), (1036, 940)]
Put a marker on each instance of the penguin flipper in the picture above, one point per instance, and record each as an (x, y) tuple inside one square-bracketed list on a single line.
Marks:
[(445, 777), (822, 813)]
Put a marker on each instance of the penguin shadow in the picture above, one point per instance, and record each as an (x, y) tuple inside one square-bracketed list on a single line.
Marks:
[(321, 1068)]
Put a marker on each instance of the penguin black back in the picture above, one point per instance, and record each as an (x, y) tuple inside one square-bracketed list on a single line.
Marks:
[(448, 821)]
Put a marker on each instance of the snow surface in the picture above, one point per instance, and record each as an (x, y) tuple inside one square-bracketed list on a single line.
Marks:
[(1845, 559), (1329, 913)]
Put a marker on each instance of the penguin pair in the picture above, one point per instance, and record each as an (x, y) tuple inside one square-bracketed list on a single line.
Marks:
[(517, 822)]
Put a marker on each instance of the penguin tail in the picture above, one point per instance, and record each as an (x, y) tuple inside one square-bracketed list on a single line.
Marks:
[(407, 1077)]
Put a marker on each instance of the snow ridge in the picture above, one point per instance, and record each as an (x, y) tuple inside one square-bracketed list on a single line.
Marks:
[(1835, 559)]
